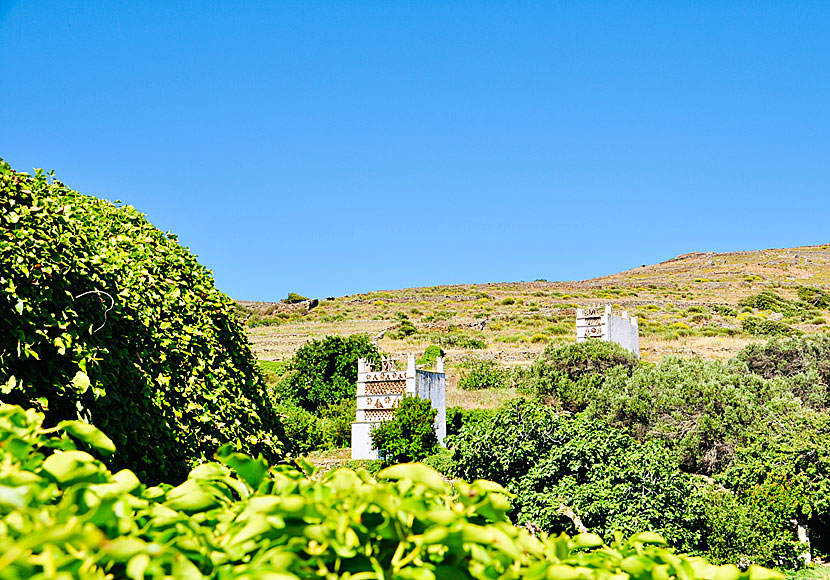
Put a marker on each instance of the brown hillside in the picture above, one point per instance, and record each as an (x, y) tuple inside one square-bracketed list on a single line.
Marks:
[(679, 302)]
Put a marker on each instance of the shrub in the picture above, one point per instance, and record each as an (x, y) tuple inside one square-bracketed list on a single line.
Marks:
[(294, 298), (337, 423), (806, 359), (814, 297), (303, 430), (778, 476), (454, 339), (325, 371), (441, 461), (111, 320), (569, 372), (701, 408), (724, 310), (457, 418), (506, 445), (404, 327), (431, 354), (410, 434), (757, 326), (482, 374), (768, 300), (66, 516)]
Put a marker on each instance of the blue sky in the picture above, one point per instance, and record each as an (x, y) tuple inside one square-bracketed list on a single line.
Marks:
[(329, 148)]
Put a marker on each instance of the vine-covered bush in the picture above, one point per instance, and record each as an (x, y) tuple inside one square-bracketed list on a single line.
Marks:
[(106, 318), (63, 514)]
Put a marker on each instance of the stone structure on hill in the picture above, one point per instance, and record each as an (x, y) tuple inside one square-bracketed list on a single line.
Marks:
[(380, 389), (598, 323)]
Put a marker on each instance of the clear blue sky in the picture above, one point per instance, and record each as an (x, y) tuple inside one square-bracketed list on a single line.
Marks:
[(329, 148)]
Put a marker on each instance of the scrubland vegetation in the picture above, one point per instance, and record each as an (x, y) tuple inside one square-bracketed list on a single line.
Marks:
[(139, 438)]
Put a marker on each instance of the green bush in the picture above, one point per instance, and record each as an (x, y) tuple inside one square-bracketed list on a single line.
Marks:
[(701, 408), (108, 319), (294, 298), (479, 374), (303, 429), (337, 423), (404, 328), (814, 297), (768, 300), (410, 434), (458, 340), (64, 515), (457, 418), (611, 482), (757, 326), (504, 446), (789, 357), (780, 476), (571, 372), (441, 461), (724, 310), (431, 354), (325, 371)]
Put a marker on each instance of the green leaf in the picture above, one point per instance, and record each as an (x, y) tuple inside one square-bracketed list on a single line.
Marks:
[(649, 538), (759, 573), (90, 435), (80, 381), (415, 472), (581, 541), (251, 470), (67, 467), (190, 497)]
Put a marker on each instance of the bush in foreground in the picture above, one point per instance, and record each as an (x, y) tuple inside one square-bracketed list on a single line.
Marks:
[(64, 514)]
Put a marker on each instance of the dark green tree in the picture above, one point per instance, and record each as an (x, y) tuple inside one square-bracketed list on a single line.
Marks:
[(324, 371)]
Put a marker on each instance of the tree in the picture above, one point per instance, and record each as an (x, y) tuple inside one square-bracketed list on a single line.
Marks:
[(325, 371), (410, 434)]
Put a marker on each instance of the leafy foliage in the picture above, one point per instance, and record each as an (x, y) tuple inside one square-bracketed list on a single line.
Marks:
[(613, 482), (64, 514), (108, 319), (780, 476), (803, 358), (325, 371), (404, 328), (505, 446), (410, 434)]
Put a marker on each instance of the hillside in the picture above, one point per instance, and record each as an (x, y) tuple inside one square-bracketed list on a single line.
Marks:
[(679, 302)]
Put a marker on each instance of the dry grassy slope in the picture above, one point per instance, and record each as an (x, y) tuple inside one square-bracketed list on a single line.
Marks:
[(517, 320)]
